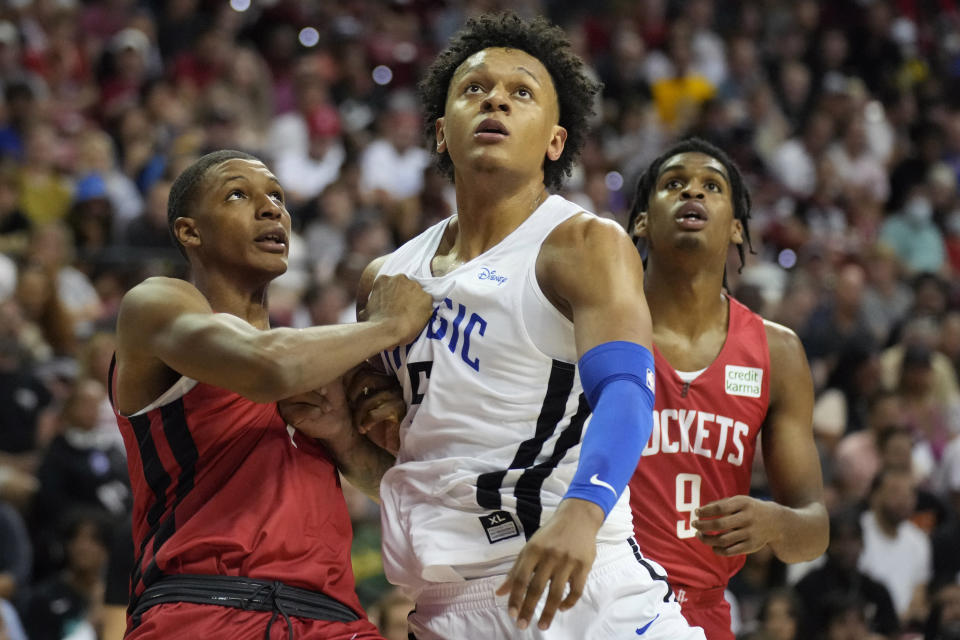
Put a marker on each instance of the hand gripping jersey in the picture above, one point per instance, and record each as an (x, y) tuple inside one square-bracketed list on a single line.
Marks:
[(222, 487), (492, 437), (701, 449)]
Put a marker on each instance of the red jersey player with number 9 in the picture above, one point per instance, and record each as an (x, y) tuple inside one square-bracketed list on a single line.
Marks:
[(716, 392)]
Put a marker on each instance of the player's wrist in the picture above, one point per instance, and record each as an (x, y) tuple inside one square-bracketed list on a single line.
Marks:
[(580, 509)]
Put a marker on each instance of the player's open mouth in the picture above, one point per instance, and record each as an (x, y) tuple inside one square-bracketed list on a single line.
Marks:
[(274, 241), (490, 130), (691, 216)]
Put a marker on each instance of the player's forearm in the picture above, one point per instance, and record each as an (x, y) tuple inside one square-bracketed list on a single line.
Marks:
[(361, 461), (299, 360), (804, 532)]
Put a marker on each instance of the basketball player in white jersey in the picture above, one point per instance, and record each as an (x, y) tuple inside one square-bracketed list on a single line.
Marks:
[(530, 391)]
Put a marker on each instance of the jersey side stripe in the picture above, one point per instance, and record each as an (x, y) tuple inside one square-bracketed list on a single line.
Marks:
[(184, 449), (559, 386), (153, 470), (527, 491), (181, 444)]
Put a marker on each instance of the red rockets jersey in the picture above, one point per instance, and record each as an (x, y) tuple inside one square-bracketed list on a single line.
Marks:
[(221, 486), (701, 449)]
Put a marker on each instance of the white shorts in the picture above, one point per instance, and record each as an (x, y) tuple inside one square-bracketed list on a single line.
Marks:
[(626, 596)]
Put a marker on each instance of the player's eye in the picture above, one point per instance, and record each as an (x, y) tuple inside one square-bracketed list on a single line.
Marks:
[(473, 87), (276, 195), (713, 186), (523, 92), (673, 184), (236, 194)]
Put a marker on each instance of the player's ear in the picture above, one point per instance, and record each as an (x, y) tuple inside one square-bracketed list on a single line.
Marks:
[(441, 137), (558, 138), (737, 236), (186, 232), (639, 229)]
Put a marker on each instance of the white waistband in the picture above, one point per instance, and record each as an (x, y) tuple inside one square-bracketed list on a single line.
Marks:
[(479, 593)]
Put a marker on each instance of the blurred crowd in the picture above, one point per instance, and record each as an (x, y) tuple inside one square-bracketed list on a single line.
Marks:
[(843, 115)]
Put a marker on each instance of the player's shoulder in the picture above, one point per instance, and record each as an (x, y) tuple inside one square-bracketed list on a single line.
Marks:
[(782, 341), (789, 370), (584, 226), (158, 290), (588, 235), (372, 270), (156, 298), (367, 278)]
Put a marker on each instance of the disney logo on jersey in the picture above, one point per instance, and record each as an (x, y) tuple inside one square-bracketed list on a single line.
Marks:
[(743, 381), (487, 273)]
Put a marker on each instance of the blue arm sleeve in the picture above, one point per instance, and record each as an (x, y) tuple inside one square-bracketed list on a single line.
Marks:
[(618, 380)]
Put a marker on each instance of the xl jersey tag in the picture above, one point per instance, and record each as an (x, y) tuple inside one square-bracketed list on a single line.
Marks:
[(499, 525), (743, 381)]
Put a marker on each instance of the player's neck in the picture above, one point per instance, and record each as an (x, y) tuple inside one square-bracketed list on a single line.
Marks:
[(687, 301), (227, 296), (488, 211)]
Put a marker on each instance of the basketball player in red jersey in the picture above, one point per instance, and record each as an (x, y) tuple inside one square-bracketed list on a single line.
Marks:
[(716, 392), (239, 519)]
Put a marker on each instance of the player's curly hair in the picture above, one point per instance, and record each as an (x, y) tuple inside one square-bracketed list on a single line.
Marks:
[(186, 188), (542, 40), (739, 192)]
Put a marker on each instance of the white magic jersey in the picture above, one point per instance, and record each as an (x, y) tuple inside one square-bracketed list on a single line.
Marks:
[(492, 438)]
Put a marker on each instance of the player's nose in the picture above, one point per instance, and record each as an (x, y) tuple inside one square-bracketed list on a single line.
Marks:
[(270, 208), (496, 100), (693, 190)]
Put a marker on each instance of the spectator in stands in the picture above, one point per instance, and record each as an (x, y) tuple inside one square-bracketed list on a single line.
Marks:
[(14, 225), (82, 466), (149, 229), (391, 167), (305, 175), (857, 456), (896, 552), (944, 620), (780, 616), (887, 298), (28, 418), (914, 235), (53, 248), (840, 578), (68, 603), (836, 323), (39, 302), (16, 553)]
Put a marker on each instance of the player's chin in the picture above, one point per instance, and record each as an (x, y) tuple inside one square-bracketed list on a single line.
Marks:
[(275, 265)]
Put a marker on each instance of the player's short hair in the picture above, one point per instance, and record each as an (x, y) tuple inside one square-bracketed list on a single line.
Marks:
[(186, 188), (740, 194), (544, 41)]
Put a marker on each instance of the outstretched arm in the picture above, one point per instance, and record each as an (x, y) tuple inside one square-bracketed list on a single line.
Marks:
[(795, 524), (170, 321)]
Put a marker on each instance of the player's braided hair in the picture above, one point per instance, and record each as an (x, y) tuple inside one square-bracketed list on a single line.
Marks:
[(542, 40), (186, 188), (740, 194)]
